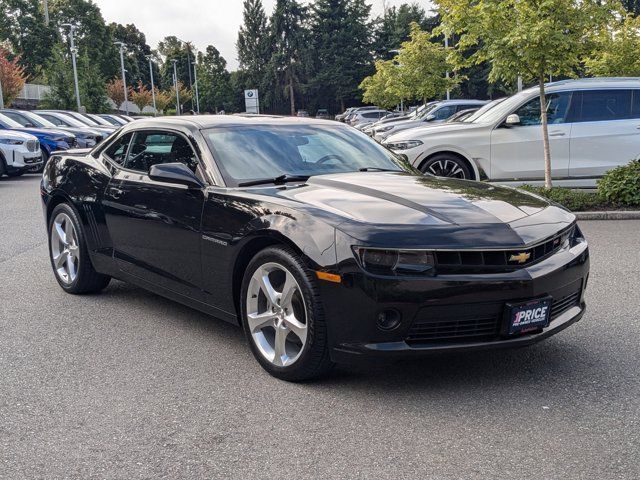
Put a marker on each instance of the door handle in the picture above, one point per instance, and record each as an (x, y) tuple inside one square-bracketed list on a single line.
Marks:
[(557, 134), (115, 192)]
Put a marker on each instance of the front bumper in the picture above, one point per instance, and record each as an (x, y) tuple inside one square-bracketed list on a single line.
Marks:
[(450, 312), (23, 160)]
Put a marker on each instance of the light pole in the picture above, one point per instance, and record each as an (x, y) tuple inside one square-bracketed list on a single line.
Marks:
[(124, 78), (46, 12), (446, 47), (74, 51), (153, 88), (175, 85), (188, 67), (195, 78), (1, 96)]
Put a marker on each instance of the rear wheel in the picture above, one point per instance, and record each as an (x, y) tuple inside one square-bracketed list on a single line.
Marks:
[(69, 256), (282, 316), (446, 165)]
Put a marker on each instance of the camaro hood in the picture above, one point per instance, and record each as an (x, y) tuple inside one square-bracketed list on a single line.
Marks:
[(376, 206)]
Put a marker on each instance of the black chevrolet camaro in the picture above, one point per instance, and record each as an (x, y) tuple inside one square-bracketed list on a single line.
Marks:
[(323, 245)]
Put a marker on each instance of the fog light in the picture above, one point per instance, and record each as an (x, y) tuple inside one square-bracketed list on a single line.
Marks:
[(388, 319)]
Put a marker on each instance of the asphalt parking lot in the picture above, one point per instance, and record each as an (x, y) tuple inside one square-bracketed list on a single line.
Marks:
[(126, 384)]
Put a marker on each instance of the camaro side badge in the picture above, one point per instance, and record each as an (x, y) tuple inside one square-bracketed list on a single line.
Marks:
[(520, 258), (214, 240)]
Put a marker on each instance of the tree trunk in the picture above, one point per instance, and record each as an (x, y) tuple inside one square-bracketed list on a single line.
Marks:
[(292, 97), (545, 134)]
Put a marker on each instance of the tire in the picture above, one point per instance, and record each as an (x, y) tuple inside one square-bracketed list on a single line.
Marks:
[(298, 313), (447, 165), (3, 167), (73, 271)]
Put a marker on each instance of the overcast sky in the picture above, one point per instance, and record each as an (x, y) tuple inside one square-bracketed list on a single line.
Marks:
[(203, 22)]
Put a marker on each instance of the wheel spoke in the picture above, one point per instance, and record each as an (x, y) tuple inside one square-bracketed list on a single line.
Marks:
[(298, 329), (279, 346), (267, 288), (62, 235), (59, 259), (257, 321), (288, 290), (71, 269)]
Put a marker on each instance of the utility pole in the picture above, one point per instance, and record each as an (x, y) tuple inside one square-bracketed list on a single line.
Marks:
[(1, 96), (519, 83), (46, 12), (175, 85), (74, 51), (188, 67), (153, 88), (195, 78), (124, 77), (446, 47)]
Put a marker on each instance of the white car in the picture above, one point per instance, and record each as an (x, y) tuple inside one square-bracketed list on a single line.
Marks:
[(19, 152), (365, 116), (436, 112), (594, 126)]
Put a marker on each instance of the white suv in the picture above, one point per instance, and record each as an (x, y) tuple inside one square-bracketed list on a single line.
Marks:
[(594, 125), (19, 152)]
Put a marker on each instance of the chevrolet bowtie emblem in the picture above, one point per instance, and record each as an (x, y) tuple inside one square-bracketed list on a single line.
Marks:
[(520, 258)]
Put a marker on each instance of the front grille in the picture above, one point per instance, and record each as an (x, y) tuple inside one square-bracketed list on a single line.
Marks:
[(32, 145), (478, 261), (475, 322)]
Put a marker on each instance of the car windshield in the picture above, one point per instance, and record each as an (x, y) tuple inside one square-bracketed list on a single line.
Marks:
[(67, 120), (6, 122), (99, 120), (38, 121), (254, 152), (497, 111), (425, 111)]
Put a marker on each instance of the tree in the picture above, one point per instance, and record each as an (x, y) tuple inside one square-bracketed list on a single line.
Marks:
[(341, 48), (92, 86), (214, 81), (253, 47), (141, 97), (59, 77), (22, 25), (136, 51), (288, 36), (163, 99), (379, 88), (394, 27), (115, 91), (616, 50), (171, 48), (12, 76), (530, 38), (632, 6), (183, 93)]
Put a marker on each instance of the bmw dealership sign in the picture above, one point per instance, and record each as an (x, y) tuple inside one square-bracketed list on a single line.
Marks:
[(251, 101)]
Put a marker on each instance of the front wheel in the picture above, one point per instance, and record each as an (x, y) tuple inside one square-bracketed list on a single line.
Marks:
[(444, 165), (69, 255), (282, 316)]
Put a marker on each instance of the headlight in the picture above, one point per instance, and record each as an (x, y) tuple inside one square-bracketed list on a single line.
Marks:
[(9, 141), (395, 262), (406, 145), (384, 129)]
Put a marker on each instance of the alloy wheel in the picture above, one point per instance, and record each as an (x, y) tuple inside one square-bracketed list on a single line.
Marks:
[(446, 168), (65, 252), (276, 314)]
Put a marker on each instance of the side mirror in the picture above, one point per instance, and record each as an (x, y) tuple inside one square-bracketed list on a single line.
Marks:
[(431, 117), (512, 120), (30, 125), (175, 173)]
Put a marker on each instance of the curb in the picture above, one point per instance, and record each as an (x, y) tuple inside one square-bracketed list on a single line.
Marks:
[(610, 215)]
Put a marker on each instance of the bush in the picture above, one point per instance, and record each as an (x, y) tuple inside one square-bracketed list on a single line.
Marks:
[(574, 200), (621, 186)]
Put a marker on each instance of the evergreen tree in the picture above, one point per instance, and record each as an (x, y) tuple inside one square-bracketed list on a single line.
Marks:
[(342, 57), (136, 51), (632, 6), (214, 82), (253, 45), (92, 86), (59, 77), (394, 27), (288, 39), (173, 49)]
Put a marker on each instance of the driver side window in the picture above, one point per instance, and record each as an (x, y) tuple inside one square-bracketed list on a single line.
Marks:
[(150, 148), (557, 109)]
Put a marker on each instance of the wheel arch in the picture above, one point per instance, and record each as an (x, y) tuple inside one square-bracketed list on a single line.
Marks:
[(471, 165)]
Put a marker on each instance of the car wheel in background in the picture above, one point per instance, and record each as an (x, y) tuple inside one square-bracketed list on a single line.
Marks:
[(445, 165), (282, 316), (68, 253)]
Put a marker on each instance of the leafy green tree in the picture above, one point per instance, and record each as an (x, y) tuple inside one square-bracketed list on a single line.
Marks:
[(381, 88), (214, 81), (171, 48), (253, 45), (92, 34), (531, 38), (394, 27), (59, 77), (288, 36), (22, 25), (616, 50), (341, 49), (136, 51)]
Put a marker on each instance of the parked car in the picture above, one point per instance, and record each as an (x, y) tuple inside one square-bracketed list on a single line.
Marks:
[(366, 116), (341, 116), (302, 113), (461, 115), (435, 113), (19, 152), (355, 110), (315, 239), (323, 113), (113, 119), (85, 138), (85, 120), (50, 140), (415, 113), (62, 119), (593, 127)]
